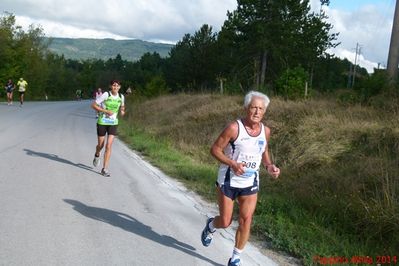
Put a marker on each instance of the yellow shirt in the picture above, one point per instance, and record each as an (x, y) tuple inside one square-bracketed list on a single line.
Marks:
[(22, 85)]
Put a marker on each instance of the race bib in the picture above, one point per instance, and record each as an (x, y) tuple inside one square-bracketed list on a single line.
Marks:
[(251, 164), (106, 119)]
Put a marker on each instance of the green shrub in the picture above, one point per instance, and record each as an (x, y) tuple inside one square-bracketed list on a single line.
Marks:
[(371, 85), (155, 87), (291, 84)]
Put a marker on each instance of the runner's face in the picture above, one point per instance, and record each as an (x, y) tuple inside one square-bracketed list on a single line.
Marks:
[(115, 87), (256, 110)]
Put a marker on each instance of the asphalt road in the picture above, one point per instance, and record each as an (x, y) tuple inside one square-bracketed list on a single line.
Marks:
[(56, 209)]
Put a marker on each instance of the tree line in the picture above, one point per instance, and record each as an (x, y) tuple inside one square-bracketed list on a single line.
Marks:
[(278, 47)]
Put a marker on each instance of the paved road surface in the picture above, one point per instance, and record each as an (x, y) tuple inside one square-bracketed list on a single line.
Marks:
[(55, 209)]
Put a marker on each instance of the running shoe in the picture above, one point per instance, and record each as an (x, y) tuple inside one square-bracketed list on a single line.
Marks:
[(207, 235), (96, 160), (105, 172), (236, 262)]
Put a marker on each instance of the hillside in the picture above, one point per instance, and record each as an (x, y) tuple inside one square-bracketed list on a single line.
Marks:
[(130, 50)]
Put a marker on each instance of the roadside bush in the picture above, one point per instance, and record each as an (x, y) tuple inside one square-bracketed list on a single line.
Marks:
[(155, 87), (291, 84), (371, 85)]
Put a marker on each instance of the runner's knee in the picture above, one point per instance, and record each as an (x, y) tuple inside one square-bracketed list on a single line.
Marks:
[(108, 147), (225, 221), (100, 145), (245, 221)]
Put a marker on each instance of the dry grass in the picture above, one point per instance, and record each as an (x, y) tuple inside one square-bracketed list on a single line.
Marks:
[(190, 122)]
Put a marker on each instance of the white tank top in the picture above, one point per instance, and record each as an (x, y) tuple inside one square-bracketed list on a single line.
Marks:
[(248, 149)]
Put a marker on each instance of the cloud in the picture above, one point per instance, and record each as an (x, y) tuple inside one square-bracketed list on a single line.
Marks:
[(366, 26), (165, 20), (370, 27), (360, 59), (56, 29)]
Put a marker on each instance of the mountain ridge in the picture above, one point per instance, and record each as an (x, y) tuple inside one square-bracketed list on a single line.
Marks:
[(87, 48)]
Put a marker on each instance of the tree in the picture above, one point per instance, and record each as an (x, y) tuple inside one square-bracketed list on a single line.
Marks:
[(203, 54), (178, 71), (192, 62), (272, 32), (22, 54), (8, 66)]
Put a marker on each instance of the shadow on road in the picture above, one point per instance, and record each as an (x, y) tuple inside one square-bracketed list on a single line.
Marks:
[(130, 224), (58, 159)]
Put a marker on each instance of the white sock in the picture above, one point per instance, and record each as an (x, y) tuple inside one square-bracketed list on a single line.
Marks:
[(236, 254), (211, 226)]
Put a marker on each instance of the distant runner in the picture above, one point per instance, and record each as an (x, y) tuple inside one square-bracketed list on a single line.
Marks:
[(9, 90), (21, 84), (78, 94), (108, 105), (241, 149), (97, 95)]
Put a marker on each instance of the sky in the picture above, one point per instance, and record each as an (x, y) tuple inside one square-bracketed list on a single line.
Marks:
[(363, 23)]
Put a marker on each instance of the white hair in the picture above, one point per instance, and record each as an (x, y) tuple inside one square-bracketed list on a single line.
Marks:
[(251, 94)]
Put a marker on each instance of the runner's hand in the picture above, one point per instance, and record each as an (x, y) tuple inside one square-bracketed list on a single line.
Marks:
[(273, 170), (238, 168), (108, 112)]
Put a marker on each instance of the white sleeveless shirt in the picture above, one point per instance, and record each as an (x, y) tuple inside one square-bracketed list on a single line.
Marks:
[(248, 149)]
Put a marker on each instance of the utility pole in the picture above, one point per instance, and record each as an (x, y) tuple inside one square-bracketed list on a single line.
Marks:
[(354, 67), (393, 56), (348, 85)]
